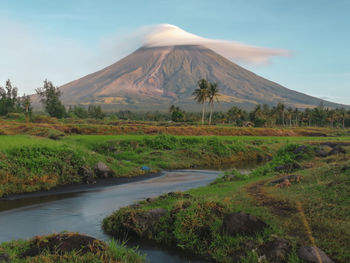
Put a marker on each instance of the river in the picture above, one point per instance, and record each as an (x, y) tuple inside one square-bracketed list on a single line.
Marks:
[(83, 212)]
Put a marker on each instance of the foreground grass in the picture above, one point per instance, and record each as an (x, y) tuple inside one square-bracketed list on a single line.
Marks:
[(193, 221), (30, 163), (97, 252)]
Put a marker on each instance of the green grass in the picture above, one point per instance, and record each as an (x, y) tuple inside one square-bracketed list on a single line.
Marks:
[(193, 223), (115, 252), (31, 163)]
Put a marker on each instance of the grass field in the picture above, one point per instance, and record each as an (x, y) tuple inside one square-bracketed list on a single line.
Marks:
[(194, 219), (193, 222), (31, 163)]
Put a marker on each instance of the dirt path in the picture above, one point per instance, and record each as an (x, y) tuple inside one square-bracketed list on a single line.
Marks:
[(281, 208)]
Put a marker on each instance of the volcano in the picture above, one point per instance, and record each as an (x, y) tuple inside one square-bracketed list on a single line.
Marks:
[(153, 78)]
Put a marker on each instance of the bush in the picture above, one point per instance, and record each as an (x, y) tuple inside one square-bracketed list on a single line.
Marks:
[(162, 142), (217, 147)]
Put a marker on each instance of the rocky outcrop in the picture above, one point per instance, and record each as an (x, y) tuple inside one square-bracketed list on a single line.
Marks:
[(313, 255), (276, 250), (242, 223), (102, 170)]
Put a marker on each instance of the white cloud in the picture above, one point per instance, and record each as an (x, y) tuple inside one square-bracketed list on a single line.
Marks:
[(28, 57), (167, 35)]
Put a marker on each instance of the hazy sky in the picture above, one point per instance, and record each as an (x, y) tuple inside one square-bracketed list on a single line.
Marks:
[(67, 39)]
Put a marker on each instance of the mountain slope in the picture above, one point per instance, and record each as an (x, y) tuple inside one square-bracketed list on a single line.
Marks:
[(153, 78)]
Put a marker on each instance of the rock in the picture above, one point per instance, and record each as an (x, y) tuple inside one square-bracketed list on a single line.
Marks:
[(289, 167), (173, 194), (144, 222), (321, 153), (151, 199), (157, 213), (313, 255), (276, 250), (102, 170), (291, 178), (4, 258), (87, 174), (187, 196), (337, 150), (242, 223), (300, 149), (63, 243)]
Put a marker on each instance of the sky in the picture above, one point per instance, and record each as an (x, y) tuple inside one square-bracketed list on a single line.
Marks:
[(68, 39)]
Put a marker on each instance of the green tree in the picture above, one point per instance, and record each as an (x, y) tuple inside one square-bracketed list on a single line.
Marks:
[(344, 115), (235, 115), (280, 110), (177, 114), (95, 112), (50, 98), (201, 94), (213, 94), (8, 99)]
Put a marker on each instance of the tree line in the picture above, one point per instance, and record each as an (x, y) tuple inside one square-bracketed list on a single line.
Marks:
[(206, 93), (49, 96)]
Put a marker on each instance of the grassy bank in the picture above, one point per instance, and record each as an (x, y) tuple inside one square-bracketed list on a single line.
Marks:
[(30, 164), (67, 248), (193, 221)]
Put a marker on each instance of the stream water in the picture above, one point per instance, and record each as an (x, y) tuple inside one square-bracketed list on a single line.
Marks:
[(83, 212)]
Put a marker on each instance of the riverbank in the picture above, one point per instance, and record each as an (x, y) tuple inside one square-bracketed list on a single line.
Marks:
[(31, 164), (34, 164), (80, 187), (299, 199)]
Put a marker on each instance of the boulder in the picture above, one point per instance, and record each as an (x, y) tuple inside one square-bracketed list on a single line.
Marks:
[(102, 170), (151, 199), (156, 214), (143, 222), (242, 223), (276, 250), (300, 149), (313, 255), (4, 258), (337, 150), (87, 174), (321, 153)]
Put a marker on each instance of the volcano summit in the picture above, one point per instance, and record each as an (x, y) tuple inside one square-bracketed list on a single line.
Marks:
[(158, 75)]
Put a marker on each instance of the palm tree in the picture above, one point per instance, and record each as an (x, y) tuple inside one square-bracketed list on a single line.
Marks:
[(201, 94), (280, 110), (290, 115), (213, 94), (343, 115)]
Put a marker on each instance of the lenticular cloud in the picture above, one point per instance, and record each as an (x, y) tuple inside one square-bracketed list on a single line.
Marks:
[(170, 35)]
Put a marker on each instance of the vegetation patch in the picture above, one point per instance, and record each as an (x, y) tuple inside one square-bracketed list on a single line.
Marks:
[(67, 247), (197, 221)]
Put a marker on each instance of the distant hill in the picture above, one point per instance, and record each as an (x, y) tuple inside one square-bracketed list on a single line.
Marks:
[(153, 78)]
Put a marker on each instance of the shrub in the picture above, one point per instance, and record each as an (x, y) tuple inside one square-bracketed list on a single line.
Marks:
[(162, 142)]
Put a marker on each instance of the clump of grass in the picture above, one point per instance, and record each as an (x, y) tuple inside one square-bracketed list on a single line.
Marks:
[(113, 251)]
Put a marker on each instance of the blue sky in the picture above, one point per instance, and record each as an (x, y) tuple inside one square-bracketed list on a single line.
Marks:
[(64, 40)]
